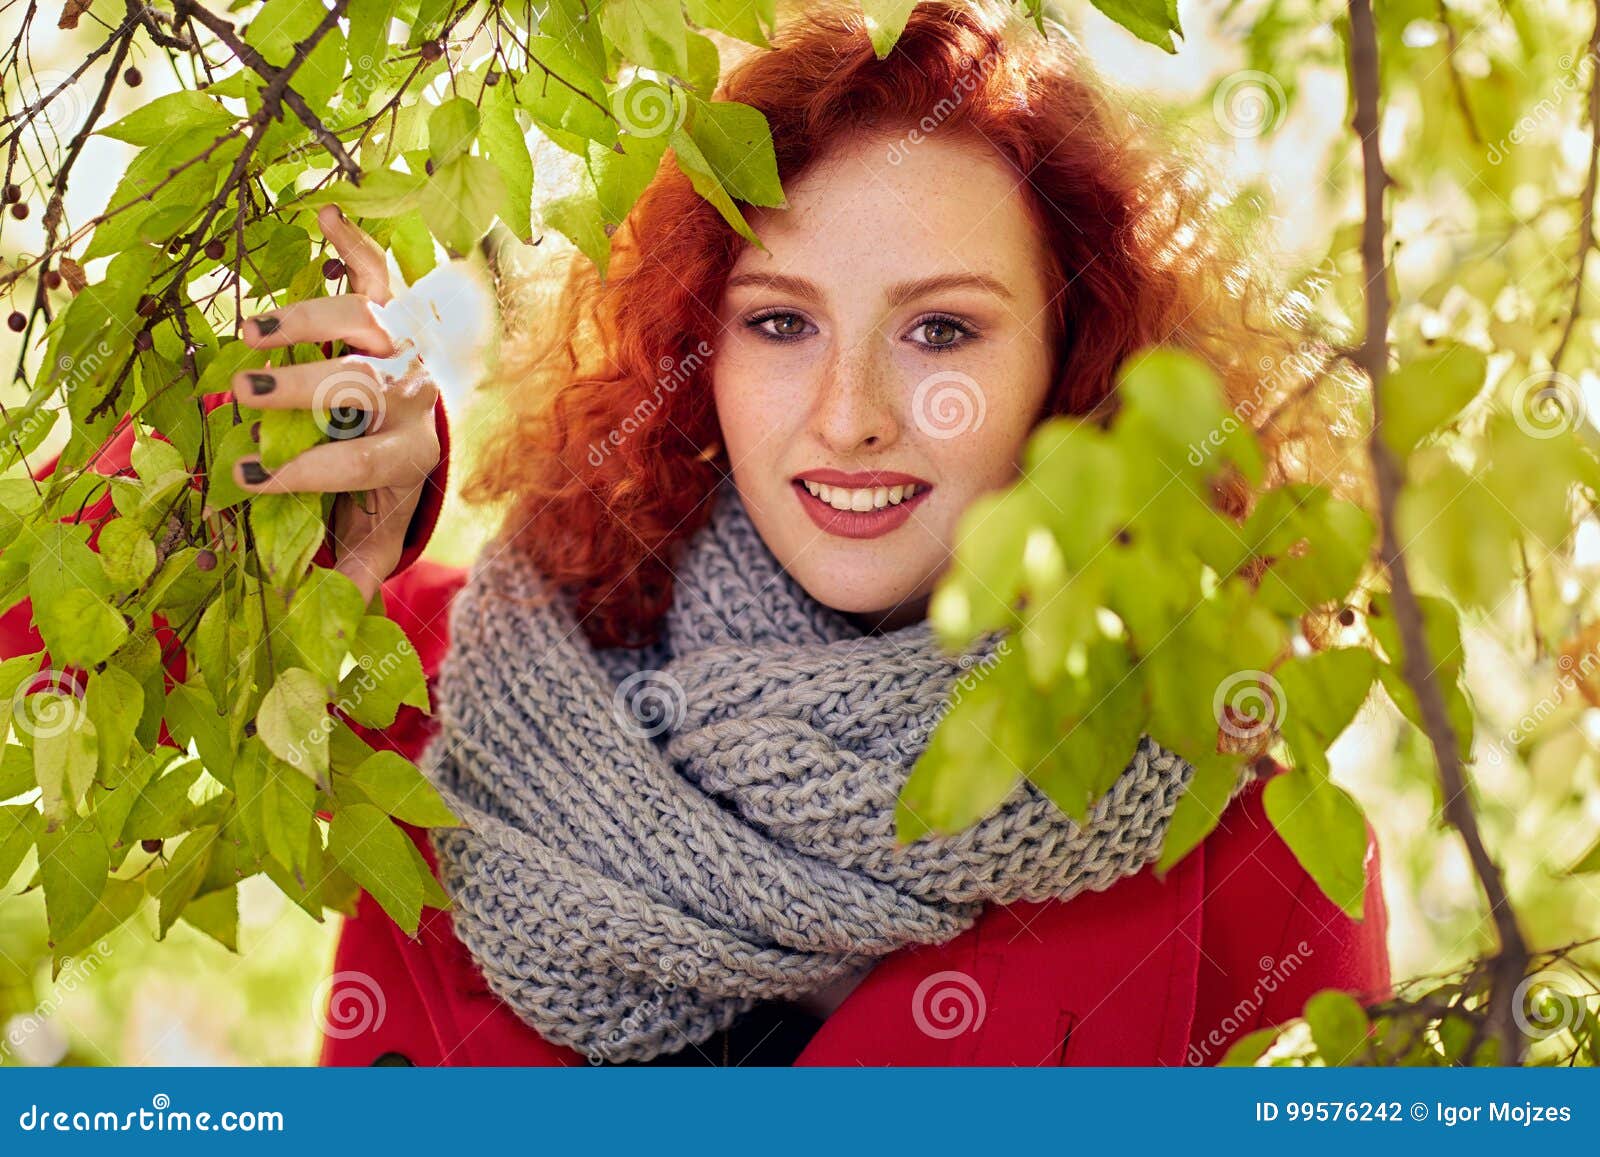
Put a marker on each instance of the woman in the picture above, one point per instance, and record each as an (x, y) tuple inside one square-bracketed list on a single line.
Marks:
[(677, 694)]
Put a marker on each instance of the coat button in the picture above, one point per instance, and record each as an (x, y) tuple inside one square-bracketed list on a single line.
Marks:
[(392, 1058)]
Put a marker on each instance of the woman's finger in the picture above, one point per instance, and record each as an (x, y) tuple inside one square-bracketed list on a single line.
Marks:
[(364, 262), (391, 458), (388, 390), (349, 317)]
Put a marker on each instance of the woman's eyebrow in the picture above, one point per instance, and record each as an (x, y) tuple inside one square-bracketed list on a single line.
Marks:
[(898, 294)]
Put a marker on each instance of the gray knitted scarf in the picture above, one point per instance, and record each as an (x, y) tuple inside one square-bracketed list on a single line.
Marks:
[(655, 839)]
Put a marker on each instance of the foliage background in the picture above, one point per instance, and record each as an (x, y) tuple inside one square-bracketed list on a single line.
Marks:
[(1272, 112)]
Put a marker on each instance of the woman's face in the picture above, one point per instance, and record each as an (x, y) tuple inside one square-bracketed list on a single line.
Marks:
[(881, 365)]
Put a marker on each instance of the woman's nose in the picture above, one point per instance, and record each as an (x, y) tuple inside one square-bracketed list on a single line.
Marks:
[(857, 405)]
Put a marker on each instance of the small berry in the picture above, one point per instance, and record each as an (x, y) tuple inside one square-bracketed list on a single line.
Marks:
[(17, 322), (427, 166), (491, 78), (19, 211), (333, 269), (133, 78), (142, 340), (1347, 617), (52, 279), (432, 51), (250, 727), (215, 250), (151, 846), (206, 560), (147, 306), (13, 193)]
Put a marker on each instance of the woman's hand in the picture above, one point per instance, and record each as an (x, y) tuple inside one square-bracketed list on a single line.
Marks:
[(383, 440)]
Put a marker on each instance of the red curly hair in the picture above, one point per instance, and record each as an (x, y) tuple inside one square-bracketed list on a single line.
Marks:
[(1136, 250)]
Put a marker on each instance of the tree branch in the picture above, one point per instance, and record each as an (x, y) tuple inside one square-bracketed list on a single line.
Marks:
[(1510, 962)]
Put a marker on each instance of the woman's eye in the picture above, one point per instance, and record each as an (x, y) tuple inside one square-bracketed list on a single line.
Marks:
[(941, 332), (781, 325)]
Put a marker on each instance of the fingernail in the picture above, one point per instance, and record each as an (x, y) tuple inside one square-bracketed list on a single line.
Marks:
[(262, 384), (340, 211), (254, 472), (255, 431), (266, 325)]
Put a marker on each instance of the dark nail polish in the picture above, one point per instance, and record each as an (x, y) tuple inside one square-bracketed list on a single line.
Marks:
[(254, 473), (262, 383), (266, 325), (255, 431)]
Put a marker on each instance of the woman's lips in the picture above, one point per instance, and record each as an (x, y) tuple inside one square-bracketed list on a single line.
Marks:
[(857, 523)]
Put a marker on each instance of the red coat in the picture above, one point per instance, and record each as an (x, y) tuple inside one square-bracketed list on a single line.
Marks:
[(1148, 972)]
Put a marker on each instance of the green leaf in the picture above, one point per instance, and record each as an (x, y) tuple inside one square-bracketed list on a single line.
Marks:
[(737, 143), (648, 32), (452, 127), (184, 872), (387, 673), (1326, 831), (976, 755), (182, 113), (620, 178), (164, 807), (367, 844), (1153, 21), (126, 553), (74, 864), (1338, 1026), (392, 782), (1199, 808), (578, 218), (565, 98), (886, 20), (382, 193), (19, 830), (288, 529), (503, 140), (291, 722), (115, 703), (694, 165), (1250, 1048), (116, 905), (1322, 693), (322, 622), (217, 915), (1420, 397), (751, 22), (65, 753), (460, 200)]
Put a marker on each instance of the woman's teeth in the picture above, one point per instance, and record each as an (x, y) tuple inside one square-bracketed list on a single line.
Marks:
[(871, 498)]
